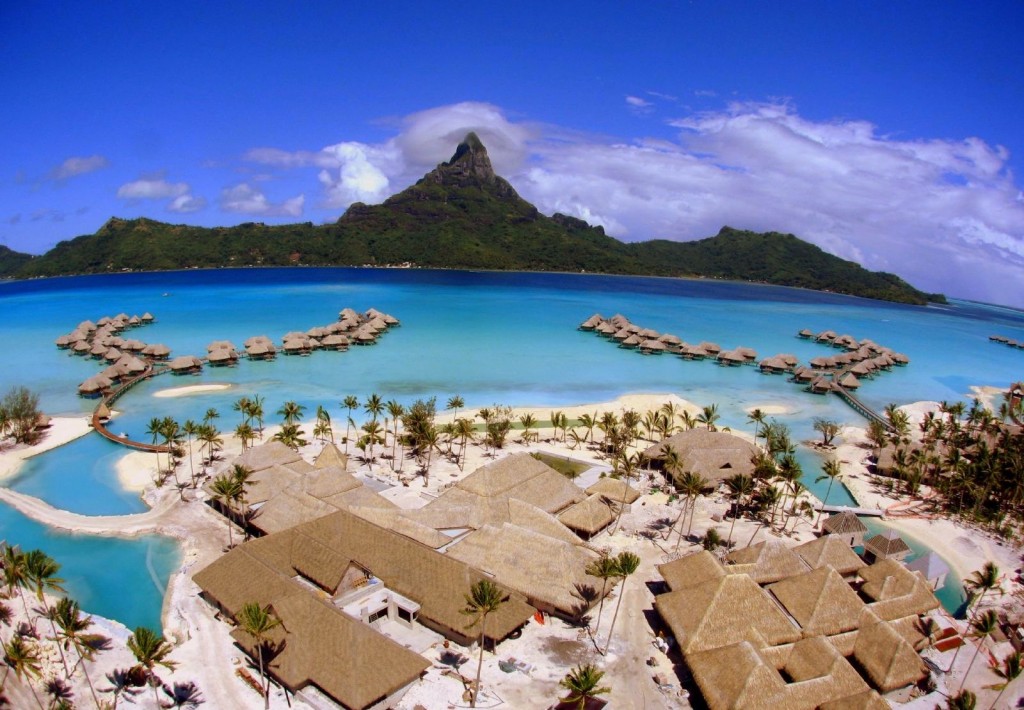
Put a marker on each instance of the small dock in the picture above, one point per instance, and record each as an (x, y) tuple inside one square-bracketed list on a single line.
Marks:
[(859, 406), (109, 400), (867, 512)]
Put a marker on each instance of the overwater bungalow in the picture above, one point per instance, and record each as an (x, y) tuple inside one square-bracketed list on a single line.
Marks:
[(748, 354), (82, 347), (134, 322), (709, 348), (848, 381), (846, 527), (131, 364), (805, 334), (887, 545), (804, 374), (775, 365), (730, 357), (157, 351), (222, 357), (147, 317), (820, 385), (95, 386), (335, 341), (261, 350), (652, 347), (112, 355), (632, 341), (826, 336), (693, 352), (186, 365), (296, 346), (606, 328), (670, 339), (364, 337), (623, 334), (98, 350)]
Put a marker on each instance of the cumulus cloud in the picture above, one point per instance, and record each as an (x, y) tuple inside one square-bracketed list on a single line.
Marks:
[(186, 203), (639, 105), (76, 165), (245, 199), (151, 188), (944, 214)]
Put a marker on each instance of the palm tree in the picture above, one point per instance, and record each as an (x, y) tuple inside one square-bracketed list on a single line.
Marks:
[(708, 416), (626, 563), (588, 422), (210, 415), (627, 465), (190, 429), (154, 430), (242, 406), (183, 695), (454, 403), (739, 485), (981, 582), (226, 489), (245, 434), (24, 661), (583, 683), (150, 650), (121, 683), (15, 575), (964, 700), (256, 412), (258, 621), (211, 440), (833, 472), (395, 411), (323, 429), (41, 572), (372, 434), (429, 440), (691, 485), (485, 597), (528, 421), (374, 406), (291, 436), (671, 462), (982, 627), (1012, 667), (350, 402), (291, 412), (604, 569), (757, 417), (60, 694), (466, 431), (68, 616)]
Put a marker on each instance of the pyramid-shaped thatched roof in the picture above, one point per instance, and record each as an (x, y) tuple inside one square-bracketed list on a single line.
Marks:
[(821, 601), (829, 551)]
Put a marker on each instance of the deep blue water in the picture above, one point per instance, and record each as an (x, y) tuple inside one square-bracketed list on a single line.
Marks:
[(505, 338)]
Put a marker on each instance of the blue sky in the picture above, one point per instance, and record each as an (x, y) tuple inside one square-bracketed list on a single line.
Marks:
[(888, 133)]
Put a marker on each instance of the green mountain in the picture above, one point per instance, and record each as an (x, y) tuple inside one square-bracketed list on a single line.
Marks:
[(461, 215), (11, 261)]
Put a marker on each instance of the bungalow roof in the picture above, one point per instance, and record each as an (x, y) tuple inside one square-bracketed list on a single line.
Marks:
[(821, 601), (887, 659), (829, 551), (766, 562), (691, 570)]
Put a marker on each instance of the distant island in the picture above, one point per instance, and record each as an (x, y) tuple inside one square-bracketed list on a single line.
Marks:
[(461, 215)]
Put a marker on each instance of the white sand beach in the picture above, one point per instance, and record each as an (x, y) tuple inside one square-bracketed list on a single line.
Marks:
[(191, 390), (62, 430)]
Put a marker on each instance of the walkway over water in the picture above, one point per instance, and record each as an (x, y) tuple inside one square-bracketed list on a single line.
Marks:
[(109, 400), (869, 512), (859, 406)]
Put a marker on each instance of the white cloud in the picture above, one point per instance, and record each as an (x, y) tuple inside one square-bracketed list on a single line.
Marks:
[(186, 203), (75, 166), (245, 199), (944, 214), (153, 188), (637, 102)]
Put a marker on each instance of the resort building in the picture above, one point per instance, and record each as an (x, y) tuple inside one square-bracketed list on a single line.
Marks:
[(715, 455), (887, 545), (847, 527), (809, 638)]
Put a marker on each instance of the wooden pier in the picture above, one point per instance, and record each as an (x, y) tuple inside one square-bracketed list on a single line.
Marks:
[(109, 399), (869, 512)]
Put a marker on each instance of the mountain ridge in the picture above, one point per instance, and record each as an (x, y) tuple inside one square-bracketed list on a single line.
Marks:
[(462, 215)]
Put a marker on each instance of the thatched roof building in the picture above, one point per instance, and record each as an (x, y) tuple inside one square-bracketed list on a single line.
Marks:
[(614, 489), (847, 527), (830, 551), (887, 545), (716, 455), (808, 640), (766, 562), (590, 516)]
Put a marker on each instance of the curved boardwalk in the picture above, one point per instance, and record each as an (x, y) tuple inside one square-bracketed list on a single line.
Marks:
[(109, 400)]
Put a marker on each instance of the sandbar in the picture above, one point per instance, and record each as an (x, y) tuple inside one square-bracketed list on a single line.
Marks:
[(190, 390), (62, 430)]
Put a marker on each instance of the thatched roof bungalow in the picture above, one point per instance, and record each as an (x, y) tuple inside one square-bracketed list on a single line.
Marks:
[(716, 455), (186, 365), (821, 601), (830, 551), (588, 517), (846, 526), (766, 562), (887, 545)]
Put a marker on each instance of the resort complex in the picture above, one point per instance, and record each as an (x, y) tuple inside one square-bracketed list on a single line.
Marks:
[(635, 553)]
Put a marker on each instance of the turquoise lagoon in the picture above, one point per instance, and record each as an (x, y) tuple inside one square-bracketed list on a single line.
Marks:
[(505, 338)]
